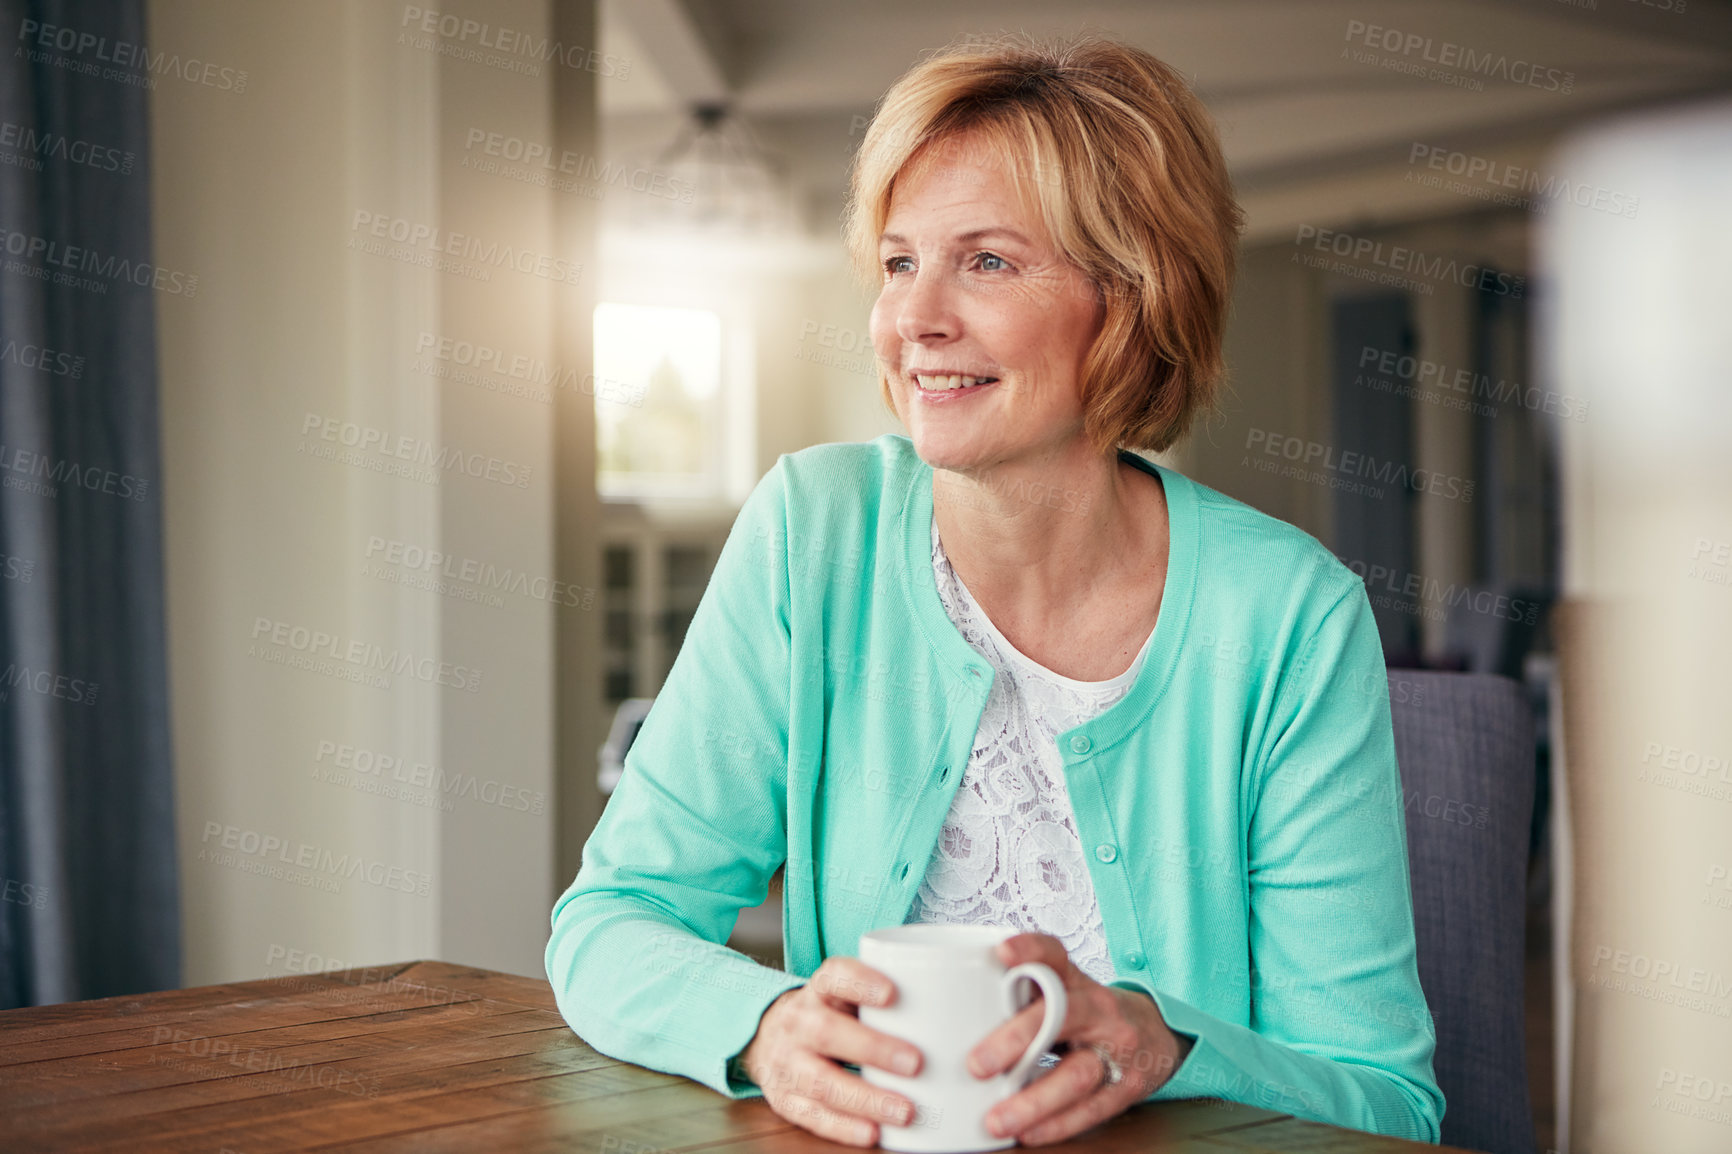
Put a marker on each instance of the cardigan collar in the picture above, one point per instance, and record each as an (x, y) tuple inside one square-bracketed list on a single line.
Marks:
[(957, 656)]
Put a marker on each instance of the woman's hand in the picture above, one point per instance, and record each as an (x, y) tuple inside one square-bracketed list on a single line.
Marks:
[(805, 1035), (1074, 1095)]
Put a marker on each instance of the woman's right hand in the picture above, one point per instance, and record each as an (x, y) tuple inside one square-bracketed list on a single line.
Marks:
[(805, 1035)]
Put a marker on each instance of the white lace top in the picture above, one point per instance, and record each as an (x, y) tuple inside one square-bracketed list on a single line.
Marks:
[(1009, 854)]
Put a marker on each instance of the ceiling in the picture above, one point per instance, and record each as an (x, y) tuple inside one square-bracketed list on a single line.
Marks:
[(1300, 99)]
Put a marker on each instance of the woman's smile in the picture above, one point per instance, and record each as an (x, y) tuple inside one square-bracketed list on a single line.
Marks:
[(938, 387)]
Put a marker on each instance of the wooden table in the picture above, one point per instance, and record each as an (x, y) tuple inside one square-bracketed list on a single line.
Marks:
[(428, 1056)]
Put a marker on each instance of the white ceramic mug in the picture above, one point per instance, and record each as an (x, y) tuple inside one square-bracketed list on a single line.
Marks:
[(951, 992)]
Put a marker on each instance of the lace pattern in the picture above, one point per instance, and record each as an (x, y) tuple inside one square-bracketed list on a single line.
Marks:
[(1009, 854)]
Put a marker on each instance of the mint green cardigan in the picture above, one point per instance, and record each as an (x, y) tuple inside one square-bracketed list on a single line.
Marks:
[(1239, 806)]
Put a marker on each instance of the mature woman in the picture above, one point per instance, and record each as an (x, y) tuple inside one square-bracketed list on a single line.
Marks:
[(1002, 671)]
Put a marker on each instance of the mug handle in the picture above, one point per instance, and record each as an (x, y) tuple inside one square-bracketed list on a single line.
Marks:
[(1056, 1007)]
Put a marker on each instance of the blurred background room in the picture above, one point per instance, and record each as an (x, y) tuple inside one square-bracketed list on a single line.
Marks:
[(369, 495)]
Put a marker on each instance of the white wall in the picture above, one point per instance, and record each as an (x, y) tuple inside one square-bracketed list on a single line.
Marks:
[(257, 192)]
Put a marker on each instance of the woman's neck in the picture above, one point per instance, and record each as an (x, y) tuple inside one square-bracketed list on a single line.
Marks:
[(1031, 541)]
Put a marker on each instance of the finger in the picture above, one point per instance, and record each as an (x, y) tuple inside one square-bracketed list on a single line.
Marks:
[(1043, 948), (1093, 1012), (1088, 1113), (1069, 1092), (849, 981), (831, 1033), (1000, 1050), (848, 1094), (809, 1114)]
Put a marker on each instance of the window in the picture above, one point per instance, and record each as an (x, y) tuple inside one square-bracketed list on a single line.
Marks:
[(660, 405)]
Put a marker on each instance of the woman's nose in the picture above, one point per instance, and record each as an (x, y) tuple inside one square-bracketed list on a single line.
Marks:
[(926, 312)]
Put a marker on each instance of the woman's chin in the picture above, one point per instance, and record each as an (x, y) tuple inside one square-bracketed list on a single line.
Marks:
[(942, 450)]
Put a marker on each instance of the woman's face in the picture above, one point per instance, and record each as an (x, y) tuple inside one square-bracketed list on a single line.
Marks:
[(975, 294)]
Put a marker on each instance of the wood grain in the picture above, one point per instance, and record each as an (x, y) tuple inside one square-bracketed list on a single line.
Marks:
[(428, 1056)]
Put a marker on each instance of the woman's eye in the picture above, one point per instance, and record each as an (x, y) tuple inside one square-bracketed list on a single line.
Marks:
[(898, 264), (990, 263)]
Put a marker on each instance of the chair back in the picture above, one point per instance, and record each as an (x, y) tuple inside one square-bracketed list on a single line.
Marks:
[(1465, 746)]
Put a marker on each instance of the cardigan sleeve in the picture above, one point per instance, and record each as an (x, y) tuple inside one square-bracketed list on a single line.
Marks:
[(692, 833), (1339, 1028)]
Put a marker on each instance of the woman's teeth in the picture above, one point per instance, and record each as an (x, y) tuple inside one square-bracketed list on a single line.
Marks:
[(951, 381)]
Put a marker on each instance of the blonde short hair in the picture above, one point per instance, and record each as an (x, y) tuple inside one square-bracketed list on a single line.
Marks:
[(1125, 167)]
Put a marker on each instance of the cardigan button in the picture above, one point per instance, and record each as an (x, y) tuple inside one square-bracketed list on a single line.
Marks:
[(1106, 853), (1135, 960), (1080, 744)]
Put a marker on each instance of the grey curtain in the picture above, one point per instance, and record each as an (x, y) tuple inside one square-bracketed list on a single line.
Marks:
[(89, 898)]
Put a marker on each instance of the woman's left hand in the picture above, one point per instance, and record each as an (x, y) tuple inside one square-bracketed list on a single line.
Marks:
[(1074, 1095)]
